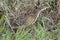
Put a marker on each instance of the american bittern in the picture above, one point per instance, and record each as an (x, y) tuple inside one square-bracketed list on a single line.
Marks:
[(30, 18)]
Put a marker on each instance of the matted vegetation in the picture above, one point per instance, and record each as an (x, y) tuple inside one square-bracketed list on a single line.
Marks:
[(29, 19)]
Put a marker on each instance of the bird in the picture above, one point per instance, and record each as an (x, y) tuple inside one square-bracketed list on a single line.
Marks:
[(28, 20), (32, 17)]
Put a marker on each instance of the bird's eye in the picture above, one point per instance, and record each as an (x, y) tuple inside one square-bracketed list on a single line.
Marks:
[(25, 14)]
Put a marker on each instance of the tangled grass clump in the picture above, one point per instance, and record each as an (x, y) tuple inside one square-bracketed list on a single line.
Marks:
[(16, 14)]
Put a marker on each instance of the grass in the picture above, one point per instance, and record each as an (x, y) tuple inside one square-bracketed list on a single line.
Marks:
[(38, 31), (22, 34), (40, 34)]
